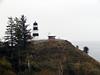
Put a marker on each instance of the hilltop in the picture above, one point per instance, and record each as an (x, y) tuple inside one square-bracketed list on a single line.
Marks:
[(54, 57), (60, 57)]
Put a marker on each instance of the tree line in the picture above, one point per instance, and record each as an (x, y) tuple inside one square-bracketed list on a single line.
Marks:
[(17, 38), (17, 32), (14, 48)]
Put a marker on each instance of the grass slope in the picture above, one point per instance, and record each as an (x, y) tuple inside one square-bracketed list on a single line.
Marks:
[(60, 57), (49, 57)]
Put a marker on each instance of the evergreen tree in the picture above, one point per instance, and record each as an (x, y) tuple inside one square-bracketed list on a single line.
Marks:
[(21, 31), (18, 32), (25, 31), (86, 49), (10, 32)]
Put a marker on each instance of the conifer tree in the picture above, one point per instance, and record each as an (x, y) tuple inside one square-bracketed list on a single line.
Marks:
[(86, 49), (10, 32), (21, 31), (25, 31), (18, 32)]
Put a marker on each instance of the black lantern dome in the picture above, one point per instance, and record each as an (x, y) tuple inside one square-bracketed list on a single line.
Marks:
[(35, 23)]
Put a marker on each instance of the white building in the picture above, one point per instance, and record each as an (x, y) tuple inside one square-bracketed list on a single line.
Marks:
[(35, 31)]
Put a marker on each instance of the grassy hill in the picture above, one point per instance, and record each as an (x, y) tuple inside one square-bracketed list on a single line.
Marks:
[(60, 57), (54, 57)]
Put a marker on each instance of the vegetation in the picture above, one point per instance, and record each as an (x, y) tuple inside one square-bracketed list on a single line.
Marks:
[(22, 34), (16, 42), (60, 57), (20, 56), (17, 33), (10, 38), (86, 49)]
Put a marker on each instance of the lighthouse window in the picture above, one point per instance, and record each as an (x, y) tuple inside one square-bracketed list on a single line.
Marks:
[(35, 34), (35, 23), (35, 28)]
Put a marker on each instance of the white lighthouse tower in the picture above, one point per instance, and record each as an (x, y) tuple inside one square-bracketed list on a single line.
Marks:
[(35, 31)]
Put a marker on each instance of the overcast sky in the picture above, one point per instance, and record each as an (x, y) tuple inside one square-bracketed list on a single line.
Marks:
[(75, 20)]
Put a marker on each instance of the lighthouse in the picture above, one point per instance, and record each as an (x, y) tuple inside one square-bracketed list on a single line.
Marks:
[(35, 31)]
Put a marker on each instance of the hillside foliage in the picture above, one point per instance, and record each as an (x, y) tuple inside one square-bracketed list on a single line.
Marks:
[(20, 55), (49, 57)]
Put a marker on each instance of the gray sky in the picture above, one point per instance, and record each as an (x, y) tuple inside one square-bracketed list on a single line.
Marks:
[(77, 20)]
